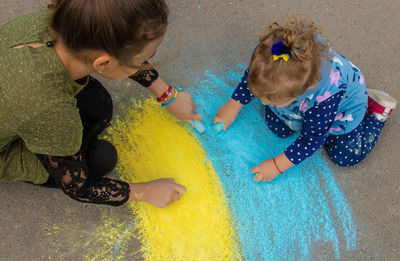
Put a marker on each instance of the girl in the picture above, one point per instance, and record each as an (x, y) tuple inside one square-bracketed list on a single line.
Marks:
[(309, 88), (51, 110)]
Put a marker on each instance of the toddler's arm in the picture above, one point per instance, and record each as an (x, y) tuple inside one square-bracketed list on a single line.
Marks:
[(270, 168), (242, 92), (318, 120), (228, 112)]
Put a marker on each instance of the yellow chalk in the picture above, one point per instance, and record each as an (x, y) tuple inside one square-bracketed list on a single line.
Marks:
[(151, 144)]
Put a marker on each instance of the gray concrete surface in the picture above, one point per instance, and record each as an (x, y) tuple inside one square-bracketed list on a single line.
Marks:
[(44, 224)]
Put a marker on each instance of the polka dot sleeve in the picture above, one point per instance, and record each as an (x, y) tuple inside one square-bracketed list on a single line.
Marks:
[(316, 125), (242, 93)]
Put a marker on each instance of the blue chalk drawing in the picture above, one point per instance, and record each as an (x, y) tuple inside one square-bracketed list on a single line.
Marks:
[(278, 220), (120, 241)]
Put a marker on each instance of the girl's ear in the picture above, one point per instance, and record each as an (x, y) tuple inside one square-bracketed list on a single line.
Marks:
[(101, 61)]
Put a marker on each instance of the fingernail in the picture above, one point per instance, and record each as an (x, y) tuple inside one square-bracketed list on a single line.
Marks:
[(219, 126), (199, 127)]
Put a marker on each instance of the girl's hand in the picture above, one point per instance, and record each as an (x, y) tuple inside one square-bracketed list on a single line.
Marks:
[(266, 171), (159, 192), (183, 109), (228, 112)]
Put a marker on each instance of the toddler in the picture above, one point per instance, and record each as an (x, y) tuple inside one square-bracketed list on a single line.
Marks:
[(307, 87)]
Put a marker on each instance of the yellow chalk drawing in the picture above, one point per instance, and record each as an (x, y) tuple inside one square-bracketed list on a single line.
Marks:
[(106, 242), (151, 144), (110, 237)]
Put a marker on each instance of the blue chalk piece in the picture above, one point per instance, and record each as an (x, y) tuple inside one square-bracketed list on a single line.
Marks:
[(219, 126), (198, 126)]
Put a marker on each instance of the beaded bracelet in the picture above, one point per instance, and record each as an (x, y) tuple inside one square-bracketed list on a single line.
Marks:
[(165, 94), (173, 97), (169, 94), (276, 166)]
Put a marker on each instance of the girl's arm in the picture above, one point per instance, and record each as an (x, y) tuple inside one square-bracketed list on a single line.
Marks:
[(159, 192), (182, 107), (145, 77), (72, 176)]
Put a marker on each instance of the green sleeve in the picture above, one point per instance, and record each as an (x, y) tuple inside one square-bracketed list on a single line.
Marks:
[(19, 163), (57, 131)]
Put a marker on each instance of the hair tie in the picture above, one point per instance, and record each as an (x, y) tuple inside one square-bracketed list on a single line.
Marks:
[(280, 51)]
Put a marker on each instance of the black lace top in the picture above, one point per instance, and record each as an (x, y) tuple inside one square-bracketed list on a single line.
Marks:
[(71, 172), (145, 77)]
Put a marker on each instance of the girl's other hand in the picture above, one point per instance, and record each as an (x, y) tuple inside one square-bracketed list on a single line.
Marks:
[(183, 109), (266, 171), (228, 112), (159, 192)]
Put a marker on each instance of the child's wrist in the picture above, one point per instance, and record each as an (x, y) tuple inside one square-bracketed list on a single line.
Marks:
[(277, 167), (165, 96), (138, 191), (168, 96), (282, 162), (234, 105)]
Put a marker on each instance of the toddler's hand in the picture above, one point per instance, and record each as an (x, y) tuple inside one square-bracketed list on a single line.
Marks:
[(183, 109), (228, 112), (159, 192), (266, 171)]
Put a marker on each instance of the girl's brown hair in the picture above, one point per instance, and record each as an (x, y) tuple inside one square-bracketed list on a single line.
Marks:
[(279, 80), (121, 28)]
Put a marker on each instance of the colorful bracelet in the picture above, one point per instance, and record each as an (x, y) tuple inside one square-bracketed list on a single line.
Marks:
[(169, 94), (172, 99), (165, 94), (276, 166)]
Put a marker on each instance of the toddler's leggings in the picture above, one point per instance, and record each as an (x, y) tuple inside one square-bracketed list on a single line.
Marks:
[(345, 149)]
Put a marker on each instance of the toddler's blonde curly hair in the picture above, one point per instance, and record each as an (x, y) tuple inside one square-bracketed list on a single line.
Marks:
[(279, 80)]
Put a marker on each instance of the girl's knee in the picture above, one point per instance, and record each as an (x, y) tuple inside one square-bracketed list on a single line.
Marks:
[(342, 163), (344, 160), (102, 158)]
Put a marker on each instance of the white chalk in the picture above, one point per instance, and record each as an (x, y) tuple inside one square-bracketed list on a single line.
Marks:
[(199, 127)]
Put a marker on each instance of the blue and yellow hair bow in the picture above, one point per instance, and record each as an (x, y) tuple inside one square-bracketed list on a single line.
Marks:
[(280, 51)]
